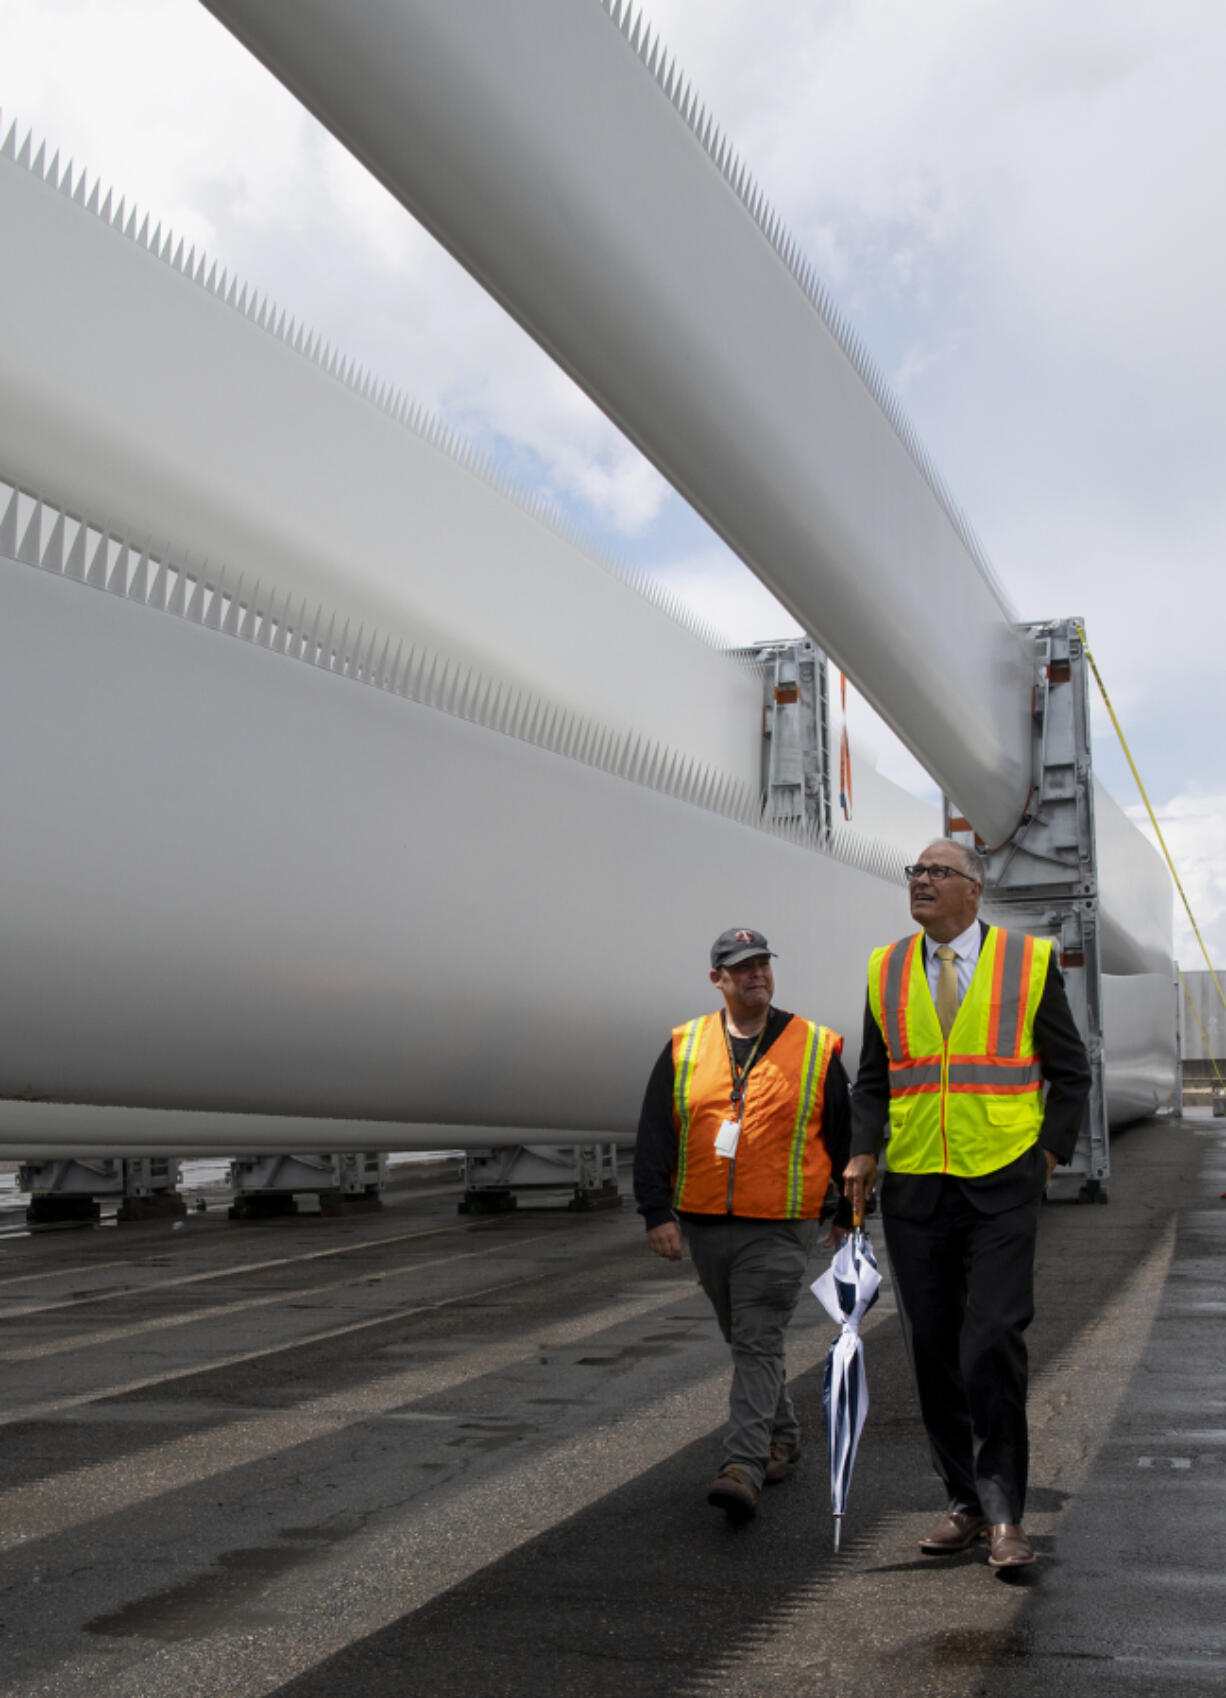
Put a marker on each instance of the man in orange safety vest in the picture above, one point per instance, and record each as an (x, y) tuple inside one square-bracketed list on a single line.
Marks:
[(744, 1121)]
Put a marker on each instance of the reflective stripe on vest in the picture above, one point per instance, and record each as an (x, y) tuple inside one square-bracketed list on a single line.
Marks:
[(782, 1169), (972, 1103), (686, 1043)]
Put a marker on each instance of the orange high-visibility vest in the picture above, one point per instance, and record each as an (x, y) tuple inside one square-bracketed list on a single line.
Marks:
[(971, 1103), (781, 1168)]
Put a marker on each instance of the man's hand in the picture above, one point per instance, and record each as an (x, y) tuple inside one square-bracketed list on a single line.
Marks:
[(859, 1180), (1053, 1162), (665, 1241)]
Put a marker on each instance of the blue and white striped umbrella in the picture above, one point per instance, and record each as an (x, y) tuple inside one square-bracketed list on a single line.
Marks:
[(847, 1291)]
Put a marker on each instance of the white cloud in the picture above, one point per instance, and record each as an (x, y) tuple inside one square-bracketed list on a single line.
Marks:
[(1194, 826), (726, 596)]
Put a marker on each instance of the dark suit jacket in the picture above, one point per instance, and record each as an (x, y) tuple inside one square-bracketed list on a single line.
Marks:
[(1066, 1071)]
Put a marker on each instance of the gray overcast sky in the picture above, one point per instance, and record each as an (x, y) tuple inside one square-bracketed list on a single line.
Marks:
[(1020, 207)]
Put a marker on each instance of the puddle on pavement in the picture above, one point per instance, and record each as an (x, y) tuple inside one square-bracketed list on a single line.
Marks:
[(970, 1648), (416, 1415), (1046, 1499), (661, 1345), (436, 1350), (491, 1435), (226, 1594)]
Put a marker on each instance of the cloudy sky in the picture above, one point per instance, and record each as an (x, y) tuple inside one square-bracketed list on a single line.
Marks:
[(1019, 207)]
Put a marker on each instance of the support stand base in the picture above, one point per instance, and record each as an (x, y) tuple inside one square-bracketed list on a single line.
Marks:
[(159, 1205), (487, 1203), (67, 1210), (605, 1196), (334, 1203), (263, 1205)]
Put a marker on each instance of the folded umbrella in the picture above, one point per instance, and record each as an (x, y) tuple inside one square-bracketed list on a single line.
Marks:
[(847, 1291)]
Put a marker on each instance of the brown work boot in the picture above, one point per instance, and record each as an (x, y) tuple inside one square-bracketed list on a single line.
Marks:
[(957, 1530), (1008, 1546), (735, 1493), (782, 1455)]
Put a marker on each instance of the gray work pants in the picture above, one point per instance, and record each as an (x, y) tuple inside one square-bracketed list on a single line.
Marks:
[(753, 1272)]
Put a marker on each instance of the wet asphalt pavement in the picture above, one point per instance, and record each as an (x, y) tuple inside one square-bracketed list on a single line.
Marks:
[(417, 1453)]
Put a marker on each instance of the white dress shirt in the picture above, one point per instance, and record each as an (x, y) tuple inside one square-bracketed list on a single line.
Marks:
[(966, 958)]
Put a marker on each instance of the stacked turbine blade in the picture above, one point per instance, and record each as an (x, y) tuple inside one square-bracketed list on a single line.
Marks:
[(38, 534)]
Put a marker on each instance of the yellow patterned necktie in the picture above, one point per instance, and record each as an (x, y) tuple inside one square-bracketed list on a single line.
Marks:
[(947, 989)]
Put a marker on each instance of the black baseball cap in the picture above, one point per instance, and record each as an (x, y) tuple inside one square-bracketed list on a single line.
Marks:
[(742, 943)]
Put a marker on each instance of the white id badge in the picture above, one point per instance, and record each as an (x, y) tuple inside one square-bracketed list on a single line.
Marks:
[(726, 1138)]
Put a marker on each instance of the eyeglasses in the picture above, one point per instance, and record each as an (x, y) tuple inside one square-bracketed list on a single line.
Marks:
[(938, 874)]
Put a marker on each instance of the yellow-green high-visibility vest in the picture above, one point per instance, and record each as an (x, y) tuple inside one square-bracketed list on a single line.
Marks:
[(971, 1103)]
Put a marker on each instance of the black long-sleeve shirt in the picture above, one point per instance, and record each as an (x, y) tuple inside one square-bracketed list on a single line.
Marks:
[(655, 1150)]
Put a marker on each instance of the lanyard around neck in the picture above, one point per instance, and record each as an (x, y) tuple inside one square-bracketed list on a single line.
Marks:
[(741, 1074)]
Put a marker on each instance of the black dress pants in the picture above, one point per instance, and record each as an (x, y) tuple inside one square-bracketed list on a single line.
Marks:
[(965, 1285)]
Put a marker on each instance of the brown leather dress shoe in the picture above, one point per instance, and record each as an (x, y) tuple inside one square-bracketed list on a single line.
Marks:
[(735, 1493), (957, 1530), (1008, 1546)]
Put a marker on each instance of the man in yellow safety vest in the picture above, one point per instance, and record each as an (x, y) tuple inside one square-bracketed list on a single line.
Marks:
[(972, 1060)]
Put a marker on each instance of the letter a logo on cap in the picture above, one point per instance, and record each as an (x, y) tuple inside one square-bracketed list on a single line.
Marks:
[(746, 937)]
